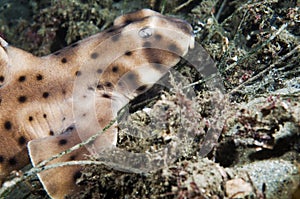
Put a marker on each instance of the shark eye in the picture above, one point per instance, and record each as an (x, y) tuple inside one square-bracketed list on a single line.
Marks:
[(146, 32)]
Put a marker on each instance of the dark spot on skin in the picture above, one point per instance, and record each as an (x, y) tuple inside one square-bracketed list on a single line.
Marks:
[(115, 37), (90, 88), (30, 118), (45, 95), (64, 60), (131, 76), (159, 67), (128, 53), (57, 53), (99, 70), (83, 115), (7, 125), (94, 55), (51, 132), (22, 99), (44, 115), (1, 159), (115, 69), (131, 79), (99, 87), (72, 157), (153, 55), (76, 175), (22, 140), (2, 78), (39, 77), (120, 83), (157, 37), (62, 142), (106, 96), (173, 48), (63, 119), (147, 44), (63, 92), (108, 84), (78, 73), (12, 161), (184, 27), (74, 45), (142, 88), (22, 78)]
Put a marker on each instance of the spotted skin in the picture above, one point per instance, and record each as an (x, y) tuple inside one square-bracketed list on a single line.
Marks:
[(39, 112)]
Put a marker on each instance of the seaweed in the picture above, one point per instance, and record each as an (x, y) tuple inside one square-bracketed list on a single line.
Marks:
[(255, 45)]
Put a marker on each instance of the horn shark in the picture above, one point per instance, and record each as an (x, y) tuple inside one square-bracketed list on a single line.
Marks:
[(45, 102)]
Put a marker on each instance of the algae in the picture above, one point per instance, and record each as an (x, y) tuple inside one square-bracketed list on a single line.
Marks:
[(255, 45)]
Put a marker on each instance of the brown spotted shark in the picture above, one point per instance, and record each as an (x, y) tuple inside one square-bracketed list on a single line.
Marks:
[(49, 104)]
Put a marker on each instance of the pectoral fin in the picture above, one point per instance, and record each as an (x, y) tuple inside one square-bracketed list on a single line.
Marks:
[(60, 181)]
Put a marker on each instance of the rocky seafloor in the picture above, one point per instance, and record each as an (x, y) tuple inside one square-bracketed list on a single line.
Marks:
[(253, 150)]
